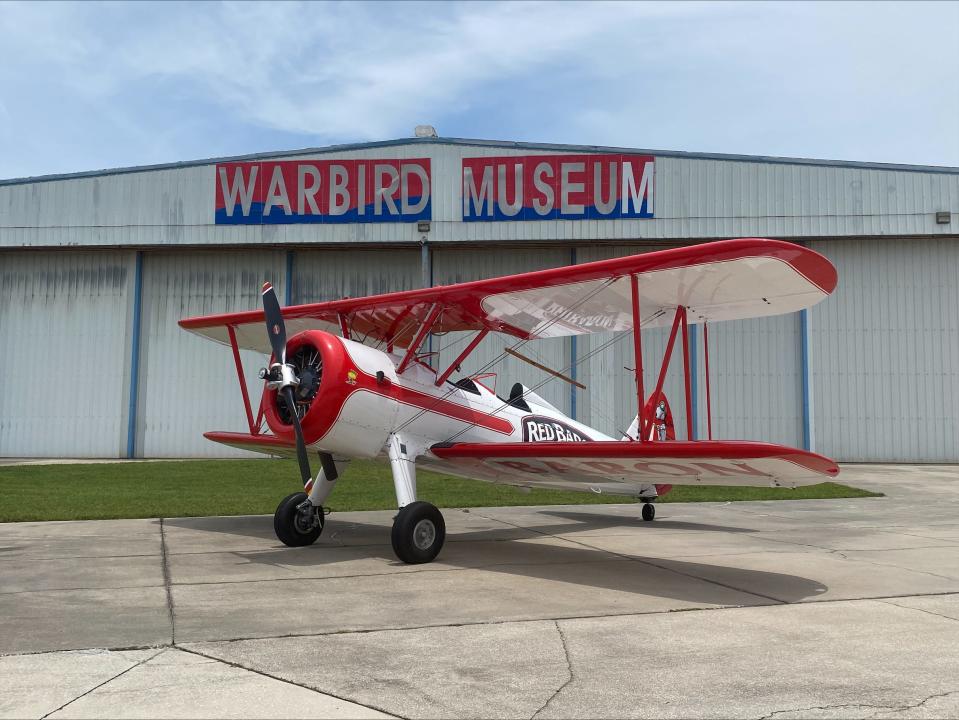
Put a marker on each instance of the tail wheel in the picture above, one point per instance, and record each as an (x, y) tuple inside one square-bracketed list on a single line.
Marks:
[(418, 533), (297, 526)]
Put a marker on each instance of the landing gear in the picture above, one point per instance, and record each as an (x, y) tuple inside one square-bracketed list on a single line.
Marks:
[(418, 533), (297, 522), (649, 511)]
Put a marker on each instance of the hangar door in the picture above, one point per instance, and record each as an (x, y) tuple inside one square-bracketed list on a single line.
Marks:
[(64, 357), (885, 352), (188, 384)]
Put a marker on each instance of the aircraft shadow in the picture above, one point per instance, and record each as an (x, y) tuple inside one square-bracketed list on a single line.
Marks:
[(498, 550)]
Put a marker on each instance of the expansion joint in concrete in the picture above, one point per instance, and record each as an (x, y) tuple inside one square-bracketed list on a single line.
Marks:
[(286, 681), (109, 680), (167, 583)]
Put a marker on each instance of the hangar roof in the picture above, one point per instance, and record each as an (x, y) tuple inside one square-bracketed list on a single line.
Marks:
[(505, 144)]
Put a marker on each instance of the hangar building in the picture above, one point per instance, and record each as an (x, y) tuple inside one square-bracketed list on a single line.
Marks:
[(97, 267)]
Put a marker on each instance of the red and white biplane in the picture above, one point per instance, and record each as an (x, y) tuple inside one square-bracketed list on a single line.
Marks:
[(350, 379)]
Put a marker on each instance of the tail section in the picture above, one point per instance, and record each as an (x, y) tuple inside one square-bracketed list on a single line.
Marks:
[(659, 420)]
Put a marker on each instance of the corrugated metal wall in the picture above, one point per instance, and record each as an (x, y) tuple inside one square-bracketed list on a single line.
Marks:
[(188, 385), (885, 352), (334, 274), (64, 357), (755, 371)]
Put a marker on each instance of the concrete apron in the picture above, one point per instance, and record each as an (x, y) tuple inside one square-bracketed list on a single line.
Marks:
[(838, 608)]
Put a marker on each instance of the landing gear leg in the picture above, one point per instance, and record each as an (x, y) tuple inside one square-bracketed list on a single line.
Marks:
[(418, 528), (649, 511), (299, 517)]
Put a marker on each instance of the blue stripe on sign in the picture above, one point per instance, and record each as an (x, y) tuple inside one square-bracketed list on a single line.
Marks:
[(278, 215), (135, 356)]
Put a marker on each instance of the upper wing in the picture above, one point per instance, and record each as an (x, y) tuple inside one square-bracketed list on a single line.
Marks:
[(706, 462), (725, 280)]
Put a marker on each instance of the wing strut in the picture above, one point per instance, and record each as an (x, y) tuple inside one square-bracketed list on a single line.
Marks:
[(239, 374), (638, 351), (709, 409), (686, 377), (462, 356), (667, 356), (427, 325)]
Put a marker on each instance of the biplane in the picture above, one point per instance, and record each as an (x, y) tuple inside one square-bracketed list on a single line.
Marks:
[(351, 378)]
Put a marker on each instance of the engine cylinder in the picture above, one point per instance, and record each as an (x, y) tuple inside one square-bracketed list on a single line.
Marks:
[(344, 401)]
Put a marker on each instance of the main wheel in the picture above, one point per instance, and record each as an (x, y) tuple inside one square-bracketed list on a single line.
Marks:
[(296, 527), (418, 533), (649, 512)]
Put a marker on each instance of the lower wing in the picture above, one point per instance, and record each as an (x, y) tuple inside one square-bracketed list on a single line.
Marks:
[(706, 462), (266, 444)]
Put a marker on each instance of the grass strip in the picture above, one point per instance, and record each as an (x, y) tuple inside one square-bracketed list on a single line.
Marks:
[(250, 487)]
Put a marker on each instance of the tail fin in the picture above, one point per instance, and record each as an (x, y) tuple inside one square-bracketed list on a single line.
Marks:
[(660, 422)]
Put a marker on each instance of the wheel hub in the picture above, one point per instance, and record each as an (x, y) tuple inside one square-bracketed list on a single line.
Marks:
[(424, 534), (305, 519)]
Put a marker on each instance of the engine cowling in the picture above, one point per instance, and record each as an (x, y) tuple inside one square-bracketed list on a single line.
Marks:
[(343, 400)]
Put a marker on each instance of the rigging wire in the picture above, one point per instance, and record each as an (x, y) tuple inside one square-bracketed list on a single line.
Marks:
[(616, 338), (520, 343)]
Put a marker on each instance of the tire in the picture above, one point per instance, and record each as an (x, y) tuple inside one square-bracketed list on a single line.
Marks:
[(418, 533), (649, 512), (287, 522)]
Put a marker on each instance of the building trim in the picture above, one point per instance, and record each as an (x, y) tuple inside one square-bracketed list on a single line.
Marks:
[(288, 292), (135, 356), (503, 144), (808, 438)]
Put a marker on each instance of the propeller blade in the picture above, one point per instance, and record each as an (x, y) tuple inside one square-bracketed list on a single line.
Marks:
[(275, 327), (301, 456)]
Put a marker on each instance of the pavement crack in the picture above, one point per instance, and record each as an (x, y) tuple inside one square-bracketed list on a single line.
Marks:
[(286, 681), (870, 706), (167, 583), (927, 612), (569, 670), (109, 680)]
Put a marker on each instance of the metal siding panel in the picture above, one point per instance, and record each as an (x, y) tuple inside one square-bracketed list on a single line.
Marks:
[(69, 311), (885, 352), (333, 274), (454, 265), (755, 380), (695, 198), (188, 385)]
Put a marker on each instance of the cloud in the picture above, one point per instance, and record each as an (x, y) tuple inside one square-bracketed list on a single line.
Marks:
[(89, 85)]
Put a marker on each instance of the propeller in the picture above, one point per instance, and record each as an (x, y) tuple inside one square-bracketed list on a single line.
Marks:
[(276, 329)]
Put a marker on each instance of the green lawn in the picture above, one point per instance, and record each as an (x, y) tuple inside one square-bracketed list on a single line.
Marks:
[(241, 487)]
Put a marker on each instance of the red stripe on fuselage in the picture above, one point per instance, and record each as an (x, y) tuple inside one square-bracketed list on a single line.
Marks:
[(433, 404)]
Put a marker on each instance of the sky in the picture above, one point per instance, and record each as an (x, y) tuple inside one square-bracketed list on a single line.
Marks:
[(88, 86)]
